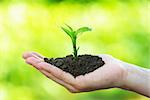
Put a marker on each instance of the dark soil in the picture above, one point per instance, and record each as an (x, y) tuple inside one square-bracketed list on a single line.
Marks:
[(82, 65)]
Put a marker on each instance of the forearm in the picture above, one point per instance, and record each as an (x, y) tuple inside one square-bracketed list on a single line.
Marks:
[(137, 79)]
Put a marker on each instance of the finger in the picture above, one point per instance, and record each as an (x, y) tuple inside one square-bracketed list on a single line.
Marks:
[(38, 55), (26, 55), (33, 61), (58, 73), (30, 54), (69, 87)]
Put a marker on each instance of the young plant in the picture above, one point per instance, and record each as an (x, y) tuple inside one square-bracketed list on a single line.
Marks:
[(74, 35)]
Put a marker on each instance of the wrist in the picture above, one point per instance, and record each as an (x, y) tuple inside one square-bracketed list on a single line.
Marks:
[(136, 79)]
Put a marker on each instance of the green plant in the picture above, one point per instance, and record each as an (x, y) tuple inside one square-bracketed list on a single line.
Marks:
[(74, 35)]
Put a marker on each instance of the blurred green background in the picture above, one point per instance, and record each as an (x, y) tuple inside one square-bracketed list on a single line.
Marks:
[(120, 28)]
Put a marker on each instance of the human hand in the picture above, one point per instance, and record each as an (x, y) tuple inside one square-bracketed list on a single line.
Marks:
[(109, 75)]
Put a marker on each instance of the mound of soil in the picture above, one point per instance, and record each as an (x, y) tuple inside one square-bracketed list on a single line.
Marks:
[(82, 65)]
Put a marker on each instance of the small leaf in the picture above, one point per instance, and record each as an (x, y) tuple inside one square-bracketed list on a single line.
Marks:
[(67, 31), (78, 48), (69, 27), (83, 29)]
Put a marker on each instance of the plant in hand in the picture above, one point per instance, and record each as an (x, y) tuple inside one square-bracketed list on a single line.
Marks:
[(76, 64)]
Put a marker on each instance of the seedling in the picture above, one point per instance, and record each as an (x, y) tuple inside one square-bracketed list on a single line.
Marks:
[(74, 35), (74, 64)]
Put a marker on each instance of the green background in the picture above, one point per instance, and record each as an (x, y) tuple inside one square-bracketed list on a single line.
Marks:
[(120, 28)]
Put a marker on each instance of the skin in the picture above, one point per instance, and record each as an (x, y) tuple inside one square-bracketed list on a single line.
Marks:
[(114, 74)]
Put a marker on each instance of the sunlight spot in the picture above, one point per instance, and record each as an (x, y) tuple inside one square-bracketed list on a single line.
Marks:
[(2, 94), (16, 13)]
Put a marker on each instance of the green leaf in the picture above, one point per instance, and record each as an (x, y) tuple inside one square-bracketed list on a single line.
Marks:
[(69, 27), (83, 29), (67, 31)]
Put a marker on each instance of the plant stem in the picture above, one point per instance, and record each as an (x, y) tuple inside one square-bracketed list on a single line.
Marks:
[(75, 51)]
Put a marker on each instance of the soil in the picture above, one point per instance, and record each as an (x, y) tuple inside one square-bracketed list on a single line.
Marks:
[(82, 65)]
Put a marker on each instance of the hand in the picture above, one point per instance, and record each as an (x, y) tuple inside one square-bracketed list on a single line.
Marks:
[(110, 75)]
